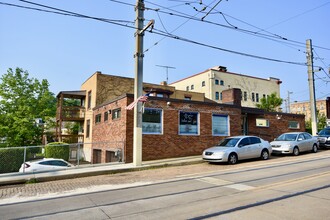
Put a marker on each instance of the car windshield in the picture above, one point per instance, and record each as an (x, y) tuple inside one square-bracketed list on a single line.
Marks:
[(228, 142), (325, 132), (287, 137)]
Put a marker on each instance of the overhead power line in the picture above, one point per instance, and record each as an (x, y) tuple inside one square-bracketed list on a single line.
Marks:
[(159, 32)]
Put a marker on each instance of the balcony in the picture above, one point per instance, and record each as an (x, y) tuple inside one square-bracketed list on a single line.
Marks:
[(70, 113)]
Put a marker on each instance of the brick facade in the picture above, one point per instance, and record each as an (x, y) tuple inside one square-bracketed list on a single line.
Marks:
[(170, 143)]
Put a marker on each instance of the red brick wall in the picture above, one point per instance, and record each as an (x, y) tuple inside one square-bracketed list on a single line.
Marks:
[(276, 126), (170, 144)]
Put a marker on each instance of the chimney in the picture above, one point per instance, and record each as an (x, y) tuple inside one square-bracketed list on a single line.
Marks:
[(232, 96), (163, 83)]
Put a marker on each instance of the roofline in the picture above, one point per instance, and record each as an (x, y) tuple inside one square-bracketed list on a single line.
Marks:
[(238, 74)]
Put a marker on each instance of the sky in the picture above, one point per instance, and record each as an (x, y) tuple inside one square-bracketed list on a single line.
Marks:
[(188, 36)]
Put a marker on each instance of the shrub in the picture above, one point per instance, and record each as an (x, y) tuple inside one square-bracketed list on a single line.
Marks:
[(57, 150), (11, 159)]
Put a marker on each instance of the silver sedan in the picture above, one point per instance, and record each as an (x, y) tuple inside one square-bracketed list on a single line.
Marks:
[(294, 143), (236, 148)]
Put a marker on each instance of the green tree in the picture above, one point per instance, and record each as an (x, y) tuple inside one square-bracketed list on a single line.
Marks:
[(271, 103), (22, 101)]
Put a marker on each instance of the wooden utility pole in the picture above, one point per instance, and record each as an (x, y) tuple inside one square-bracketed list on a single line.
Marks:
[(311, 81)]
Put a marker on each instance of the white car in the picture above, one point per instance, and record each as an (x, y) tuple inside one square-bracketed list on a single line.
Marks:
[(46, 164), (294, 143), (236, 148)]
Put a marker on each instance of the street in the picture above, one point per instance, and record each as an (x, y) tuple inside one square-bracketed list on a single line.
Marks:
[(284, 187)]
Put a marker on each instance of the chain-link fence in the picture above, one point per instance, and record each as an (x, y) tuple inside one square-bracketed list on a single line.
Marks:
[(12, 158)]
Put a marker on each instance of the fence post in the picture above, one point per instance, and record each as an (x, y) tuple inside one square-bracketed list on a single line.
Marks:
[(78, 154), (24, 159)]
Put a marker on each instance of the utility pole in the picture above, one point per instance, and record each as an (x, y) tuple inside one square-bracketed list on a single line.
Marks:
[(138, 83), (289, 110), (167, 67), (311, 82)]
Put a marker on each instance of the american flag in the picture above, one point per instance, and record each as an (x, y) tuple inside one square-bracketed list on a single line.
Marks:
[(142, 98)]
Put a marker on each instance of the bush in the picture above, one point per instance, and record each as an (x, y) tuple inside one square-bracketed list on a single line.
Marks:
[(57, 150), (11, 159)]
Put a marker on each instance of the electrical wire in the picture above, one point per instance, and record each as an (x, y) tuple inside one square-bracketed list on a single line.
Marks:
[(165, 34)]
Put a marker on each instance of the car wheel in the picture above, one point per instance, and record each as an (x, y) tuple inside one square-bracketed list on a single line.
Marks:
[(232, 159), (314, 149), (264, 154), (295, 151)]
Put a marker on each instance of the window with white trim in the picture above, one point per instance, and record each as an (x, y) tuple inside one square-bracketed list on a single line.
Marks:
[(220, 125), (152, 122), (294, 125), (261, 122), (188, 123)]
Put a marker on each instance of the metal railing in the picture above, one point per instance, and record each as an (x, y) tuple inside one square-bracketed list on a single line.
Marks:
[(12, 158)]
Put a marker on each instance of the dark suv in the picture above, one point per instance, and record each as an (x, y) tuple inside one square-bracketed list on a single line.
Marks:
[(324, 137)]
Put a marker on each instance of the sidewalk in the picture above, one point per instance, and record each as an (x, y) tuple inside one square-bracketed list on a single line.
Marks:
[(93, 170)]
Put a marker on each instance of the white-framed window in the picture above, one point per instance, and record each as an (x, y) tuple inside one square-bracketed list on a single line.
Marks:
[(261, 122), (245, 96), (152, 121), (220, 125), (252, 97), (294, 125), (188, 123), (203, 83), (192, 87), (216, 82), (222, 83)]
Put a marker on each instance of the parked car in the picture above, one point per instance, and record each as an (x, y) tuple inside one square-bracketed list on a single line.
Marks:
[(46, 164), (324, 137), (294, 143), (236, 148)]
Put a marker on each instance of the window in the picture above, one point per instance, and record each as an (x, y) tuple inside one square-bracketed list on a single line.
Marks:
[(245, 96), (261, 122), (161, 95), (307, 136), (89, 101), (187, 88), (255, 140), (220, 125), (264, 96), (216, 82), (294, 125), (116, 113), (221, 83), (106, 116), (97, 118), (244, 142), (220, 95), (203, 83), (217, 97), (257, 97), (188, 123), (186, 97), (192, 87), (252, 96), (88, 126), (152, 121)]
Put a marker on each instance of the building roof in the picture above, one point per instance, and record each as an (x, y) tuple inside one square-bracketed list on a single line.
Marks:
[(224, 70), (72, 94)]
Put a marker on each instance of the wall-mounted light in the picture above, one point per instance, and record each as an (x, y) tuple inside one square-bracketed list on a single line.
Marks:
[(278, 117), (168, 103)]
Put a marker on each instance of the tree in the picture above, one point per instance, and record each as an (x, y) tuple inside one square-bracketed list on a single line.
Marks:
[(23, 101), (271, 103)]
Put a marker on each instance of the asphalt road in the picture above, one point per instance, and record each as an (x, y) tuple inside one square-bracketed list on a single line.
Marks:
[(281, 188)]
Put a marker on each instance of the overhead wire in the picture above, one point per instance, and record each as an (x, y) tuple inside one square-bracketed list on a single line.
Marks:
[(165, 34)]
